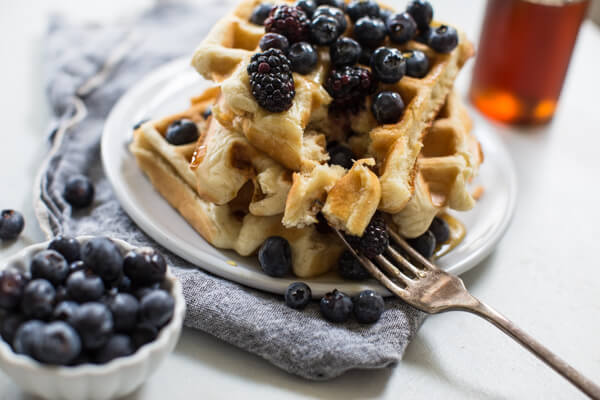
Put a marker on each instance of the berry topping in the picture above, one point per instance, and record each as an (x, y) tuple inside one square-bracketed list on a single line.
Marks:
[(83, 286), (274, 41), (79, 191), (10, 323), (28, 337), (65, 310), (422, 13), (67, 246), (303, 57), (49, 265), (417, 63), (443, 39), (350, 268), (12, 286), (156, 308), (271, 80), (424, 244), (363, 8), (38, 299), (332, 3), (124, 308), (324, 30), (368, 307), (260, 13), (94, 323), (77, 266), (275, 256), (349, 86), (387, 107), (423, 36), (182, 131), (345, 51), (334, 12), (103, 257), (374, 240), (59, 344), (207, 113), (365, 55), (145, 266), (341, 155), (388, 64), (370, 32), (117, 346), (11, 224), (336, 306), (384, 14), (440, 229), (290, 22), (298, 295), (308, 6), (401, 28)]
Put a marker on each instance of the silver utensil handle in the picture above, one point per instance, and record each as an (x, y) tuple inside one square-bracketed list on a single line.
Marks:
[(555, 362)]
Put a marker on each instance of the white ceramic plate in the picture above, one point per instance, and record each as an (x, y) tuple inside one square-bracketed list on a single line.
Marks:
[(168, 90)]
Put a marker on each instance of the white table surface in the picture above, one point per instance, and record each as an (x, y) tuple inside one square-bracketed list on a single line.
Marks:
[(544, 274)]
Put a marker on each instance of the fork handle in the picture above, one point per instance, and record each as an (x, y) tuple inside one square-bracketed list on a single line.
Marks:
[(555, 362)]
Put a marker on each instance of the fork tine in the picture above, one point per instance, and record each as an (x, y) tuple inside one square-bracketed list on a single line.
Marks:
[(425, 263), (407, 264), (393, 270)]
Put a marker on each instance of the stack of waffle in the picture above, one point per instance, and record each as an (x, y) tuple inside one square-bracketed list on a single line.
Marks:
[(253, 174)]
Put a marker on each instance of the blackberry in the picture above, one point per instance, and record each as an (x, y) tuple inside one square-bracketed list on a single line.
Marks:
[(349, 86), (271, 80), (374, 240), (290, 22)]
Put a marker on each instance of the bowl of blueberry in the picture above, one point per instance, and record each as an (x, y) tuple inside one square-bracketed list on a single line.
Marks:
[(87, 317)]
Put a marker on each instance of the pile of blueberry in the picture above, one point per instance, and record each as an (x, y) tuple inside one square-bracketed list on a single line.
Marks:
[(84, 304)]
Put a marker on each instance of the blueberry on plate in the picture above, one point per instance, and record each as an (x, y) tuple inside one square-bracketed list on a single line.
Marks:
[(59, 344), (79, 191), (363, 8), (84, 286), (12, 286), (401, 28), (144, 266), (38, 299), (104, 258), (424, 244), (341, 155), (370, 32), (117, 346), (11, 224), (368, 307), (298, 295), (49, 265), (275, 256), (417, 63), (274, 41), (9, 326), (334, 12), (443, 39), (308, 6), (440, 229), (303, 57), (28, 337), (387, 107), (143, 333), (345, 51), (124, 308), (350, 268), (339, 4), (94, 323), (336, 306), (388, 64), (422, 13), (260, 13), (65, 310), (182, 131), (68, 247), (324, 30), (156, 308)]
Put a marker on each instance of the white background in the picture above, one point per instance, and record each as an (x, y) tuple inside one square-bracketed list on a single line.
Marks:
[(545, 274)]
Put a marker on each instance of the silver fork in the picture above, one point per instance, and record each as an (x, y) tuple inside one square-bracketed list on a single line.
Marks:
[(426, 287)]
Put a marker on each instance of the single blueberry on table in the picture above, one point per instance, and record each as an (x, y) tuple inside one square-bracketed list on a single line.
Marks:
[(28, 337), (117, 346), (67, 246), (388, 64), (11, 224), (104, 258), (124, 308), (303, 57), (144, 266), (424, 244), (345, 51), (79, 191), (12, 286), (368, 307), (336, 306), (84, 286), (59, 344), (275, 256), (156, 308), (370, 32), (49, 265), (388, 107), (94, 323), (38, 299), (401, 28), (182, 131), (298, 295)]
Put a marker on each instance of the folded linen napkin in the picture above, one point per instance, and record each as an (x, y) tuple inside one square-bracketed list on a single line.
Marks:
[(88, 68)]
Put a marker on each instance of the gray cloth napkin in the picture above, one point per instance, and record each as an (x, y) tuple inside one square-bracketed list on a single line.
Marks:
[(300, 342)]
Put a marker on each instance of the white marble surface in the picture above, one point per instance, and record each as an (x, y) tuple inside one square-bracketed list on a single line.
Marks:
[(544, 274)]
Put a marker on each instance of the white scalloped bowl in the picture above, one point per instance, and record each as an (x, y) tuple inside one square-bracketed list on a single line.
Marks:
[(115, 379)]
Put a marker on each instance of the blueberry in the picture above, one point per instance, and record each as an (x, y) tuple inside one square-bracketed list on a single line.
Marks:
[(275, 256), (12, 286), (49, 265), (424, 244), (207, 113), (324, 30), (334, 12), (368, 307), (336, 306), (124, 308), (388, 64), (401, 28), (443, 39), (308, 6), (260, 13), (422, 13), (67, 246), (94, 323), (440, 229), (143, 333), (303, 57), (145, 266), (384, 14), (350, 268), (38, 299), (82, 358), (9, 326), (182, 131), (363, 8), (369, 31), (274, 41), (77, 266), (103, 257), (156, 308), (65, 310), (417, 63), (345, 51), (140, 292), (84, 286), (365, 55), (28, 337), (387, 107), (11, 224), (141, 122), (341, 155), (339, 4), (298, 295), (117, 346), (423, 36), (59, 344), (79, 191), (61, 294), (124, 284)]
